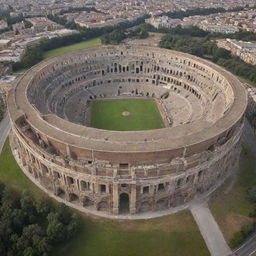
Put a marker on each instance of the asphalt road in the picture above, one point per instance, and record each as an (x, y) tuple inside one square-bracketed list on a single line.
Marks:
[(248, 248)]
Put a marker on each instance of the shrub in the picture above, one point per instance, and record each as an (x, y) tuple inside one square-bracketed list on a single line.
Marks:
[(240, 236)]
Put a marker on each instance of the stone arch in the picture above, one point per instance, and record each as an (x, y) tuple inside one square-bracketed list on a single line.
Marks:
[(61, 193), (73, 197), (161, 204), (103, 206), (124, 202), (145, 206), (87, 201)]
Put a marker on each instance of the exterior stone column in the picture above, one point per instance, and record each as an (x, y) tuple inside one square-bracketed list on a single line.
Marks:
[(133, 199), (68, 150), (115, 199)]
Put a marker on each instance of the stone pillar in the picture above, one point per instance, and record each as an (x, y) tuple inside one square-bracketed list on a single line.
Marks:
[(133, 199), (96, 188), (115, 199), (68, 150)]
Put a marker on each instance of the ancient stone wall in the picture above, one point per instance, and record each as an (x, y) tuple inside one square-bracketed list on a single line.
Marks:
[(127, 172)]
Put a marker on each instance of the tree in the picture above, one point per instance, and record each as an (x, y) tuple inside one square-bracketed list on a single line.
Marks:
[(2, 188), (72, 227), (56, 231), (24, 230), (43, 206), (27, 203)]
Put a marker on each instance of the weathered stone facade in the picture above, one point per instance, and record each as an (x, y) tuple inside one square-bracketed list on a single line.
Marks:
[(127, 172)]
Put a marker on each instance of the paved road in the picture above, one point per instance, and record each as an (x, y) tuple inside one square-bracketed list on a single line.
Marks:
[(248, 248), (4, 130), (210, 230)]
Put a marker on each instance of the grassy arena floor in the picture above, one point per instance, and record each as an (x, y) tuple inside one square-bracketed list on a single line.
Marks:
[(144, 115), (174, 235)]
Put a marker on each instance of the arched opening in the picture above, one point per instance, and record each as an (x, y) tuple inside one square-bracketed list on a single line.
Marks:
[(73, 197), (103, 206), (87, 202), (61, 193), (124, 203), (145, 207), (161, 204)]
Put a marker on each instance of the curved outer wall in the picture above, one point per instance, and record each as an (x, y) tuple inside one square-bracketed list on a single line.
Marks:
[(97, 175)]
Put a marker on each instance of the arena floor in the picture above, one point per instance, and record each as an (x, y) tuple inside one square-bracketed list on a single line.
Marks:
[(126, 115)]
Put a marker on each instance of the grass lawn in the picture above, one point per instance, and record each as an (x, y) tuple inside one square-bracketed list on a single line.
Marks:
[(20, 71), (11, 174), (61, 50), (143, 115), (229, 204), (174, 235), (78, 46), (247, 81)]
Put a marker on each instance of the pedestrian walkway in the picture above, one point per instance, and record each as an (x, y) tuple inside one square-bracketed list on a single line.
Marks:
[(210, 230)]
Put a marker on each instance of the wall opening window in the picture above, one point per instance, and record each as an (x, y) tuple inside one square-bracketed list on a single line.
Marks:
[(161, 187), (123, 165), (103, 188), (70, 180), (146, 190), (85, 185)]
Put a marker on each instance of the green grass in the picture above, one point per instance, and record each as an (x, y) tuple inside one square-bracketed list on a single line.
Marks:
[(61, 50), (21, 71), (174, 235), (247, 81), (230, 205), (144, 115), (78, 46), (11, 174)]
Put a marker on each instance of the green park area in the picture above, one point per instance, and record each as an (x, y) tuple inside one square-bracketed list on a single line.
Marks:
[(65, 49), (174, 235), (77, 46), (231, 205), (126, 115)]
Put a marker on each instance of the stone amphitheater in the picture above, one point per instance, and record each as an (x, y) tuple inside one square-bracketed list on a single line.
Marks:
[(127, 173)]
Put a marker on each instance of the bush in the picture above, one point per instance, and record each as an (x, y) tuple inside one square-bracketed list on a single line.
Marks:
[(240, 236), (252, 194)]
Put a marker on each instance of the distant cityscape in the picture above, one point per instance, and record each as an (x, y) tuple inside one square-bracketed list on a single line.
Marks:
[(25, 23)]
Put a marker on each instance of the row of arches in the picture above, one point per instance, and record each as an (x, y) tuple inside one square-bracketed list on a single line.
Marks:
[(86, 201)]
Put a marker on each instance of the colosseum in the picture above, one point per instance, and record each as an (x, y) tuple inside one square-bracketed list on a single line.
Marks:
[(127, 173)]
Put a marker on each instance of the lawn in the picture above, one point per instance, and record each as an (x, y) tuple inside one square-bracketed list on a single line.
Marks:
[(61, 50), (11, 174), (78, 46), (143, 114), (229, 204), (243, 80), (20, 71), (174, 235)]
